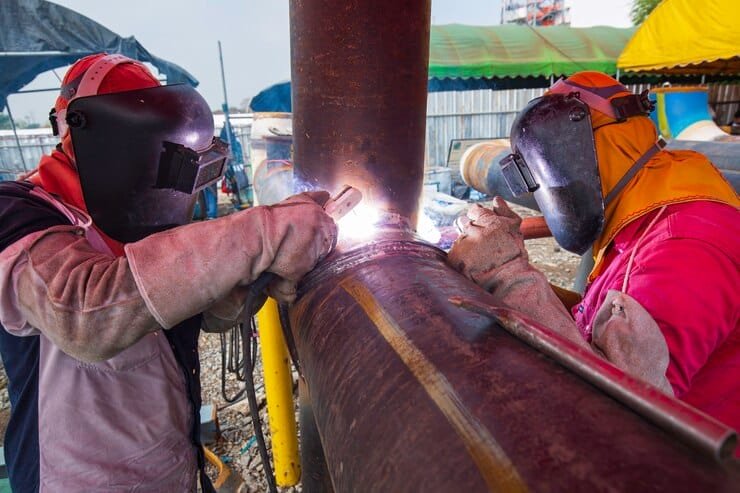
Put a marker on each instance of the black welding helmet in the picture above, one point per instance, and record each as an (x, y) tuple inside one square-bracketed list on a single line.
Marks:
[(142, 156), (554, 156)]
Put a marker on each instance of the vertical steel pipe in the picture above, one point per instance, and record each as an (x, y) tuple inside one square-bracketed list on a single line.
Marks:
[(359, 78)]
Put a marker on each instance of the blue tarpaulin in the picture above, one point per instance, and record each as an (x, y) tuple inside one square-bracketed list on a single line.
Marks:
[(37, 36)]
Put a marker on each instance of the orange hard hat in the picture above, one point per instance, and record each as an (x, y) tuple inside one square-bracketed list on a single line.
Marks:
[(93, 75)]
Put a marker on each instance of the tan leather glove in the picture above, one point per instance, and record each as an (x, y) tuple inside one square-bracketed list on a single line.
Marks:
[(490, 251), (184, 271), (628, 336), (490, 239)]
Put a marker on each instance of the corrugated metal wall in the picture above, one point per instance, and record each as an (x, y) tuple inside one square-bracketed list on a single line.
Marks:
[(489, 114), (725, 99), (34, 144), (471, 115)]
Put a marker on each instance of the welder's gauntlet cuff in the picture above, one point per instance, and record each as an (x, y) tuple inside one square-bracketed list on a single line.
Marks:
[(184, 271)]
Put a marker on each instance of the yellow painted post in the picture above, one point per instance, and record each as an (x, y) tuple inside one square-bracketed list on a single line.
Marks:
[(279, 395)]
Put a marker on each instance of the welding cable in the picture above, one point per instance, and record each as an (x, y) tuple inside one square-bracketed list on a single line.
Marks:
[(284, 317), (234, 363), (255, 300)]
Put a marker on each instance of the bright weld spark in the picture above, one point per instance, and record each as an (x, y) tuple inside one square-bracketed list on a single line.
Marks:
[(359, 223), (428, 230)]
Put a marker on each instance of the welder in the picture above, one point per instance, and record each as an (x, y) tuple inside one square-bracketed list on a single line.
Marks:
[(104, 288), (663, 302)]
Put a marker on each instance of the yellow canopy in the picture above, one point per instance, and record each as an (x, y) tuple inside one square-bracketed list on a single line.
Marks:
[(686, 37)]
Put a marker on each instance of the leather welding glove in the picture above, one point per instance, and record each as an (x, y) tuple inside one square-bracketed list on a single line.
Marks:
[(625, 334), (186, 270), (490, 251)]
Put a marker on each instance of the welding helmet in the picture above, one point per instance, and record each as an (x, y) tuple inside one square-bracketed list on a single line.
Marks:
[(141, 155), (554, 155)]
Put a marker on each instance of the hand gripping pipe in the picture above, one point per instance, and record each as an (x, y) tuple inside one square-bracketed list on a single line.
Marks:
[(404, 390)]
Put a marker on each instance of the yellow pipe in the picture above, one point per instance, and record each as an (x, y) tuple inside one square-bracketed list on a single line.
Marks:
[(279, 395)]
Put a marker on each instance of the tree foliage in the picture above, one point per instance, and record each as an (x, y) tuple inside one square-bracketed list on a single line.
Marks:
[(22, 123), (641, 9)]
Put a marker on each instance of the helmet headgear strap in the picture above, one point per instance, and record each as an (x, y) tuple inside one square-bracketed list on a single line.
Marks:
[(619, 108), (86, 84)]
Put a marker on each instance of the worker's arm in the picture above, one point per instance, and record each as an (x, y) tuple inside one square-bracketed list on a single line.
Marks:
[(491, 252), (84, 301), (93, 305), (226, 312), (188, 270)]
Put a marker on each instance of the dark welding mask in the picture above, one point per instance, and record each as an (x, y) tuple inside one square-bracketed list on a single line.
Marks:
[(142, 156), (554, 157)]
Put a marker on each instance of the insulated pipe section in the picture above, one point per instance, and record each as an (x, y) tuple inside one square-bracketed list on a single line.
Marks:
[(359, 79), (480, 169)]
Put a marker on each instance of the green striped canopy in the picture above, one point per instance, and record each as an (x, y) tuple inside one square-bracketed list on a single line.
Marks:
[(513, 50)]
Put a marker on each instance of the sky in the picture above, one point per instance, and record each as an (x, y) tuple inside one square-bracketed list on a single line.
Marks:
[(255, 39)]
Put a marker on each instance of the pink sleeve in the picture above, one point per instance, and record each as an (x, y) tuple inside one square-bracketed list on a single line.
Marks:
[(12, 261), (690, 287)]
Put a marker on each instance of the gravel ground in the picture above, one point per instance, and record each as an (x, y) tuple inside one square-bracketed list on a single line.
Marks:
[(236, 444)]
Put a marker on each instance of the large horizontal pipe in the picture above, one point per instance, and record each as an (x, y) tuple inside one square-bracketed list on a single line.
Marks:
[(411, 393)]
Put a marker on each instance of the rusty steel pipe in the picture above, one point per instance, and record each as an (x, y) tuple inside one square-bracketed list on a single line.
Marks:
[(359, 79), (410, 393), (534, 227)]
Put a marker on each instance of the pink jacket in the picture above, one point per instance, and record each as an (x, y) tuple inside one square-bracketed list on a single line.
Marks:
[(118, 425), (686, 275)]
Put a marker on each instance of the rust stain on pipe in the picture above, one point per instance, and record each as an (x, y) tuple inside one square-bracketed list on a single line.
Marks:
[(493, 464)]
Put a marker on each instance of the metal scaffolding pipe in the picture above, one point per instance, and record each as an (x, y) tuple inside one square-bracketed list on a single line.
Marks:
[(407, 391)]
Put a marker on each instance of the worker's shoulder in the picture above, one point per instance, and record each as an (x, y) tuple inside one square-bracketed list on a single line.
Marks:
[(711, 223), (23, 213)]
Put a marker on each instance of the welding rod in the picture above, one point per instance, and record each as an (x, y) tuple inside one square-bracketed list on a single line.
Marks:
[(681, 420)]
